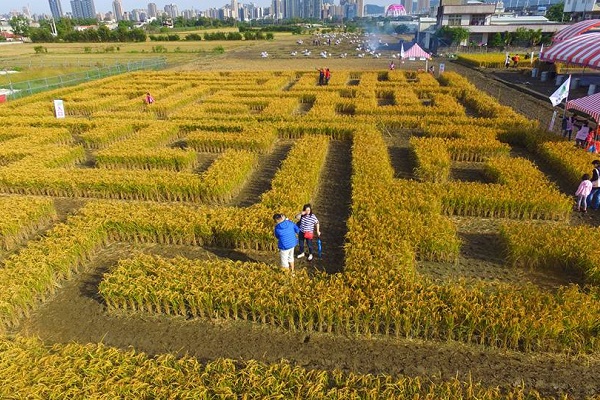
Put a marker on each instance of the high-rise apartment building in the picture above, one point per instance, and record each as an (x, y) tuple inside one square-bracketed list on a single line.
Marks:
[(152, 10), (360, 8), (235, 9), (292, 8), (312, 8), (423, 6), (172, 10), (118, 10), (83, 8), (55, 9), (277, 9), (408, 6)]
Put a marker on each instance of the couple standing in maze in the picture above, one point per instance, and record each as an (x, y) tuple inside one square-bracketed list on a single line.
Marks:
[(286, 231)]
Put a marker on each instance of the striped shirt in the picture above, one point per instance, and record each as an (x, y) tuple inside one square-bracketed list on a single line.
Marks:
[(308, 222)]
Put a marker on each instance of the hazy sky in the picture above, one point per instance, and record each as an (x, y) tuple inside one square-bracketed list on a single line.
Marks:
[(41, 6)]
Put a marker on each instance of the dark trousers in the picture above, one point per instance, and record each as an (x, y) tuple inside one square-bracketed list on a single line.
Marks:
[(309, 242), (593, 200)]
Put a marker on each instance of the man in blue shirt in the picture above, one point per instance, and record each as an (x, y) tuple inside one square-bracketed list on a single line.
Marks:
[(285, 232)]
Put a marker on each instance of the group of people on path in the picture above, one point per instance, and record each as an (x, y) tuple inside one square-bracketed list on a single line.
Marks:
[(585, 137), (588, 192), (515, 59), (324, 76), (290, 234)]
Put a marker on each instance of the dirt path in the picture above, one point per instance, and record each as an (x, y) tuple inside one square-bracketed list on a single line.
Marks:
[(260, 181), (399, 150), (332, 204), (529, 106), (481, 258), (468, 172), (60, 320), (535, 109)]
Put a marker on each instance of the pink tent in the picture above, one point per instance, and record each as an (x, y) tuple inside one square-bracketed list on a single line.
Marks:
[(577, 29), (416, 52), (589, 105), (580, 50)]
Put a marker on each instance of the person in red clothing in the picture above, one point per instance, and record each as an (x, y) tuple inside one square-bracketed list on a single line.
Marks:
[(515, 60), (327, 76), (589, 140)]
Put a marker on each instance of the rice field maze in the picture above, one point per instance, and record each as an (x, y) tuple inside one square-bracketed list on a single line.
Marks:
[(138, 256)]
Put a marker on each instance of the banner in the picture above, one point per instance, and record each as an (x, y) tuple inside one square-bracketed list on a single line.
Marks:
[(561, 93), (552, 121), (441, 68), (59, 109)]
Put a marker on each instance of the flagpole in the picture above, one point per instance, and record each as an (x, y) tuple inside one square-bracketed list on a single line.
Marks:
[(557, 97), (567, 98)]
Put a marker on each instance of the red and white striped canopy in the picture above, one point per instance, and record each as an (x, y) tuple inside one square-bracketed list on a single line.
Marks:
[(589, 105), (580, 50), (576, 30), (416, 52)]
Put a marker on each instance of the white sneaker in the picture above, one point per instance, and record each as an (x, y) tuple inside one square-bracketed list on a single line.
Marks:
[(300, 255), (309, 257)]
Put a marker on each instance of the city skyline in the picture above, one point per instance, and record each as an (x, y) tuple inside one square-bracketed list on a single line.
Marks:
[(104, 6)]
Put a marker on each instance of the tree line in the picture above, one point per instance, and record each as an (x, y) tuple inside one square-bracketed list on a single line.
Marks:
[(126, 31), (66, 31), (247, 35)]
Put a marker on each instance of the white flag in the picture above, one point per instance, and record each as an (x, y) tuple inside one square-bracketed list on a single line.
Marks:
[(561, 93), (541, 50), (402, 50)]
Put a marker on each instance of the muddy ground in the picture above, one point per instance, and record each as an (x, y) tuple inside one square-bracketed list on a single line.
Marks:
[(77, 313)]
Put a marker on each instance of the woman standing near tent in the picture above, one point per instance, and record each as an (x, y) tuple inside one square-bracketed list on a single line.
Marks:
[(581, 136), (567, 127)]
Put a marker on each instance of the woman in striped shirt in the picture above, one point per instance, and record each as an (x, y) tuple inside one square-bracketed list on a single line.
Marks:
[(308, 224)]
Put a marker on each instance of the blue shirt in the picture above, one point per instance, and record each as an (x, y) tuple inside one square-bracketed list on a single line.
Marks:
[(285, 232)]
